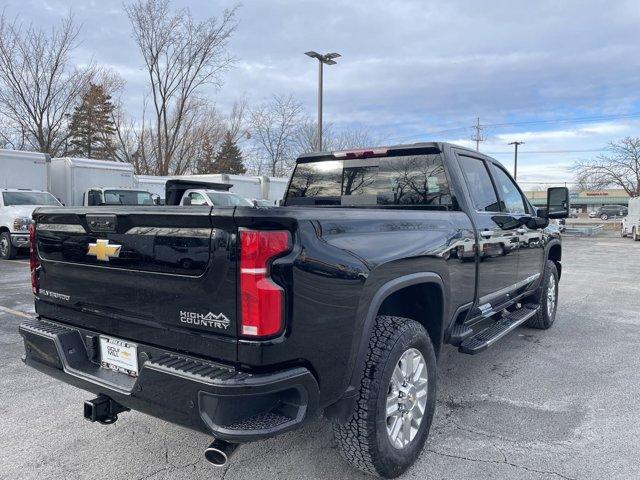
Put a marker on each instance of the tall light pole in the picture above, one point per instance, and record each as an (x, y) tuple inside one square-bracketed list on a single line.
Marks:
[(328, 59), (515, 159)]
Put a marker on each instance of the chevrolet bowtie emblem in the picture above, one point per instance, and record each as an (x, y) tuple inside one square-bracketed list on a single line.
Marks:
[(103, 251)]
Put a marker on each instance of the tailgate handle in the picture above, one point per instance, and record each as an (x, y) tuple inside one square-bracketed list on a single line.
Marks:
[(102, 223)]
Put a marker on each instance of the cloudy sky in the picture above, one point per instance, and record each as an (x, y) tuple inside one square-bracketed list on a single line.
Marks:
[(564, 77)]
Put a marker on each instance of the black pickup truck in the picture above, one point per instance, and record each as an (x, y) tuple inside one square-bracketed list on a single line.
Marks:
[(246, 322)]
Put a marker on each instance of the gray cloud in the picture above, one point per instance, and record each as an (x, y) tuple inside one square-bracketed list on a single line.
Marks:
[(408, 67)]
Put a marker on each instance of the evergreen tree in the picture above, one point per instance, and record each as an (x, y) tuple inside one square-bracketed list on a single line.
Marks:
[(206, 157), (229, 158), (91, 129)]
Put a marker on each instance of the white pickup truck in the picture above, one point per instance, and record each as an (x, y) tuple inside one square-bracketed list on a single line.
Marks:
[(214, 198), (16, 207)]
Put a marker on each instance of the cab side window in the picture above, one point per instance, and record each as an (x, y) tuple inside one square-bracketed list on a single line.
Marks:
[(197, 199), (509, 193), (480, 185)]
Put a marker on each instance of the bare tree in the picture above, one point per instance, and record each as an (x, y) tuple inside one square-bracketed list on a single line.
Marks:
[(619, 168), (274, 126), (333, 139), (38, 86), (181, 56)]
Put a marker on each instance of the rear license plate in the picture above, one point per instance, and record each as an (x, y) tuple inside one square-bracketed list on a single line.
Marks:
[(119, 355)]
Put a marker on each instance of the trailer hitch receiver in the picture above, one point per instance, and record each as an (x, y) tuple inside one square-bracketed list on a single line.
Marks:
[(103, 410)]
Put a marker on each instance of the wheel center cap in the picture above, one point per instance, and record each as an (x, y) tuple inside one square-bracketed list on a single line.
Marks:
[(409, 398)]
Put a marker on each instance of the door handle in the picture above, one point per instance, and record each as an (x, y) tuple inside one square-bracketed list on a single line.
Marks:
[(521, 231), (486, 233)]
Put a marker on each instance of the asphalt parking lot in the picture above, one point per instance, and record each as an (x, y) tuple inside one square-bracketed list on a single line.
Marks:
[(559, 404)]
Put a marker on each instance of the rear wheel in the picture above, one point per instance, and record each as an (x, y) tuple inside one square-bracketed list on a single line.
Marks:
[(396, 401), (7, 250), (604, 216), (546, 298)]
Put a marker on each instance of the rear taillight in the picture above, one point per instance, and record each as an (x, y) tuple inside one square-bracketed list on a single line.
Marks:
[(33, 258), (261, 300)]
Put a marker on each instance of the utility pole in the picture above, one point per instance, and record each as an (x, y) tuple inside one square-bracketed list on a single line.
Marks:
[(328, 59), (478, 136), (515, 159)]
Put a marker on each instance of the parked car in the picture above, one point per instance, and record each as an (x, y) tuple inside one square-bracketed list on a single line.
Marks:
[(608, 211), (16, 208), (338, 302)]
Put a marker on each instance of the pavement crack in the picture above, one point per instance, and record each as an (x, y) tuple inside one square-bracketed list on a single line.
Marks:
[(500, 462)]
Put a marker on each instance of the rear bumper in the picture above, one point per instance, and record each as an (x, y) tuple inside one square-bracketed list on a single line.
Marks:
[(20, 240), (232, 405)]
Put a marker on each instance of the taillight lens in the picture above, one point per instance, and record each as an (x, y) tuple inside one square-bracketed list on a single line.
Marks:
[(261, 300), (33, 258)]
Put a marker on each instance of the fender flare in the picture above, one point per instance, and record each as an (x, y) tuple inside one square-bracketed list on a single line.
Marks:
[(344, 406), (547, 250)]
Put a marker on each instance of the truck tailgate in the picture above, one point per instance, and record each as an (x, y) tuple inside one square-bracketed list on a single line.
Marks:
[(165, 276)]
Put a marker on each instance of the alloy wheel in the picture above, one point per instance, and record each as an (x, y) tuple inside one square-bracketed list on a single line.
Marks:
[(406, 398)]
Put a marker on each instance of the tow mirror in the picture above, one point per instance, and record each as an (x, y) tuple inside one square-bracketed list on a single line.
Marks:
[(557, 202)]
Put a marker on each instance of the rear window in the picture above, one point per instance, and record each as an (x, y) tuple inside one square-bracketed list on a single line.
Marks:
[(408, 180)]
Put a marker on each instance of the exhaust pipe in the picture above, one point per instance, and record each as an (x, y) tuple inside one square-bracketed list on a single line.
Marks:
[(219, 452)]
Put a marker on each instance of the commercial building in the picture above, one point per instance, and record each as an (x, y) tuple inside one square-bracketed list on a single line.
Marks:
[(586, 200)]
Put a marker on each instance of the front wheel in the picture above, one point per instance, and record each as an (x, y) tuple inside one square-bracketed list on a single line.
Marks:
[(546, 298), (604, 216), (7, 250), (396, 401)]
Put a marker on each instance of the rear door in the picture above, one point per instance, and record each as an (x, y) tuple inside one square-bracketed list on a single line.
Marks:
[(497, 238), (160, 275)]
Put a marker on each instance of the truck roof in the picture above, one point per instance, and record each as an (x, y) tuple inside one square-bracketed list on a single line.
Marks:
[(440, 146)]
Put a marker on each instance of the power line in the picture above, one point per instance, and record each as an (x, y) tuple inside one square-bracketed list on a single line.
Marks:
[(529, 122), (536, 152)]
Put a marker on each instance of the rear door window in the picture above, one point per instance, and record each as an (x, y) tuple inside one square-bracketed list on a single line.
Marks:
[(480, 186)]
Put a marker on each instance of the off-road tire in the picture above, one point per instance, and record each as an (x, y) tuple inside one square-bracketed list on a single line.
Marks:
[(7, 250), (544, 319), (363, 439)]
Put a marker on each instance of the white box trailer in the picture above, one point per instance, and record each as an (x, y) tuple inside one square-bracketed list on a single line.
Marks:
[(25, 170), (72, 177), (152, 184), (251, 187)]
